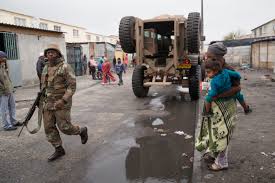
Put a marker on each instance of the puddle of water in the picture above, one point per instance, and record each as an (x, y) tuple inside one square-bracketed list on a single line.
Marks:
[(142, 154), (156, 104)]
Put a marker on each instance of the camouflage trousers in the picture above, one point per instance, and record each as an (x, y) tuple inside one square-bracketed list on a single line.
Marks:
[(60, 119)]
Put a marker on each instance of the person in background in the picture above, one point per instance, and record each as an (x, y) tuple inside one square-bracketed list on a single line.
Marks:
[(7, 101), (114, 62), (134, 61), (119, 70), (106, 68), (84, 62), (40, 64), (125, 61), (92, 67), (99, 70)]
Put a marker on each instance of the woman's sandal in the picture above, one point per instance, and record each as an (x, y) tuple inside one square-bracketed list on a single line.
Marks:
[(215, 167)]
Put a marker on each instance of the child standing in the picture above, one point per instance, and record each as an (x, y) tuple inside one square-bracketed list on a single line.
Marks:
[(119, 70)]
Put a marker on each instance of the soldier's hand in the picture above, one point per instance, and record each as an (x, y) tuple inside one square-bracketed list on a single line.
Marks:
[(59, 104)]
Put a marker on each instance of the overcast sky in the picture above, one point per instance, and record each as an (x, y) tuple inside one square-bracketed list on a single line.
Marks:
[(103, 16)]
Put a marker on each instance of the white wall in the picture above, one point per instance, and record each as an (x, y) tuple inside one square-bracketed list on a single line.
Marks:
[(267, 30), (29, 47)]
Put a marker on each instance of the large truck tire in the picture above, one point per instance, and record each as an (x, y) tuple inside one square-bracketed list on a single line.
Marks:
[(126, 34), (194, 82), (193, 32), (137, 82)]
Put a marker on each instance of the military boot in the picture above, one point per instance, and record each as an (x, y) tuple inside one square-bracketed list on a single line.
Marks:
[(84, 135), (59, 151)]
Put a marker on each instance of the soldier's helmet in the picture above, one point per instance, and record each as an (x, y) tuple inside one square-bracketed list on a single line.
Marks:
[(53, 47)]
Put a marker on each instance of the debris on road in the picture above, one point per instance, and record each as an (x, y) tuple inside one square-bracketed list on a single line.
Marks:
[(185, 134), (208, 176), (263, 153), (184, 155), (163, 135), (188, 136), (157, 122), (179, 132), (185, 167)]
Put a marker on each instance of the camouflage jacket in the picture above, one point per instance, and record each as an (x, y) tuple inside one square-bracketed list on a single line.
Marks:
[(60, 83), (5, 82)]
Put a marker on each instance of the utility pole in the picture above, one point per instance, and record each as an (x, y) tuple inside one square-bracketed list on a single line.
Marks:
[(202, 25)]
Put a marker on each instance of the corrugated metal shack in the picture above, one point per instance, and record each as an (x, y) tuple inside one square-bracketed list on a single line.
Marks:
[(263, 53)]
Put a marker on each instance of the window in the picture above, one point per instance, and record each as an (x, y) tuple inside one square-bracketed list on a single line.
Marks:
[(146, 34), (57, 28), (43, 26), (97, 38), (75, 33), (260, 31), (89, 37), (8, 44), (19, 21), (264, 29)]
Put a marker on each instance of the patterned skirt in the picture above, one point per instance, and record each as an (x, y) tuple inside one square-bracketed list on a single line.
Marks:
[(217, 129)]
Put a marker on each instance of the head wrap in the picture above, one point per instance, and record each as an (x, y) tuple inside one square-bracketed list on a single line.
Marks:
[(217, 48)]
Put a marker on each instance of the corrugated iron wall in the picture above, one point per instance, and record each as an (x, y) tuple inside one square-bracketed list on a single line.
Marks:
[(263, 55)]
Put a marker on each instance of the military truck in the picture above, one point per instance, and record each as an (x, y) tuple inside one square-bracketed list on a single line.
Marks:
[(167, 51)]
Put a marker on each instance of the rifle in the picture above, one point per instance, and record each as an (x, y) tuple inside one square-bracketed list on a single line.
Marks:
[(31, 111)]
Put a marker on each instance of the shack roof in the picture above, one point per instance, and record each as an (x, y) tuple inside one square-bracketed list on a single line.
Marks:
[(30, 28)]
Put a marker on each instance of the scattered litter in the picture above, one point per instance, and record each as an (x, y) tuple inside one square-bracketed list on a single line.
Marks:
[(263, 153), (208, 176), (273, 154), (158, 122), (154, 94), (188, 136), (191, 159), (184, 155), (185, 167), (160, 130), (182, 133), (245, 66), (155, 129), (183, 90), (179, 133), (163, 135), (262, 168)]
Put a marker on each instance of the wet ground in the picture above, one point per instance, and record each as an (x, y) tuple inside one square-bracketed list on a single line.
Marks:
[(131, 140)]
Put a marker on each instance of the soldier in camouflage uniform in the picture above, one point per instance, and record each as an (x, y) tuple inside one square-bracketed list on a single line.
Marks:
[(60, 83)]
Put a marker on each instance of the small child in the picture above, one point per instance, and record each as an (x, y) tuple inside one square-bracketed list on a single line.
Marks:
[(119, 70), (220, 81)]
